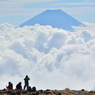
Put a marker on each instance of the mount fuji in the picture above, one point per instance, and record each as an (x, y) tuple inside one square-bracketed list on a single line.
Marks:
[(55, 18)]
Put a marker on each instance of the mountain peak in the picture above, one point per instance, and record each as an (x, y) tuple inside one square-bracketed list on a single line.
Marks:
[(55, 18)]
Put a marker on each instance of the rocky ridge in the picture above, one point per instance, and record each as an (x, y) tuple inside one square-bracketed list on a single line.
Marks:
[(66, 91)]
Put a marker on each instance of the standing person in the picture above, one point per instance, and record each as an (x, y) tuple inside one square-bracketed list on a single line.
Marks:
[(26, 81), (10, 86)]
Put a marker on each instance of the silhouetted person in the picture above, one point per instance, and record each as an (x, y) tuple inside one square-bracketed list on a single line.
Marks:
[(10, 86), (18, 86), (33, 89), (26, 81)]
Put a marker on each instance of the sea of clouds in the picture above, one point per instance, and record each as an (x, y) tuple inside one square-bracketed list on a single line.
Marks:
[(52, 58)]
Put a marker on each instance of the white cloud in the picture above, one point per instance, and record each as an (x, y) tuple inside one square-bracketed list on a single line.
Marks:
[(79, 10), (16, 7), (21, 2), (53, 58), (89, 3)]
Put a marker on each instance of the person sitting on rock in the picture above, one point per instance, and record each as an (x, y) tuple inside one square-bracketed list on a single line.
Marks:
[(18, 86), (10, 86), (33, 89)]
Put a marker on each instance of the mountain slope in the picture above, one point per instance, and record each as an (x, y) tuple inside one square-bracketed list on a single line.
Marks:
[(55, 18)]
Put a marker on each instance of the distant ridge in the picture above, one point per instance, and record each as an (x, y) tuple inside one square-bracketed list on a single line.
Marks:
[(55, 18)]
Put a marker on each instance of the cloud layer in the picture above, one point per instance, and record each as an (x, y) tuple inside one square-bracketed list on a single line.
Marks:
[(53, 58)]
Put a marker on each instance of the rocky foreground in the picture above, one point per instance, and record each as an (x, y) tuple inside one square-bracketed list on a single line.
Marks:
[(66, 91)]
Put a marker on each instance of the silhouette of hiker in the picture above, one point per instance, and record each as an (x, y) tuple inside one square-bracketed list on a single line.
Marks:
[(10, 86), (26, 81), (18, 86)]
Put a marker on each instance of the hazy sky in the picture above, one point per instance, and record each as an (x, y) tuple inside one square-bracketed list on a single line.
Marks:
[(16, 12)]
